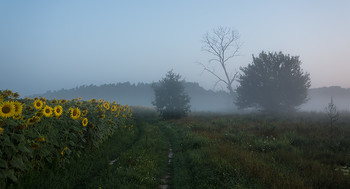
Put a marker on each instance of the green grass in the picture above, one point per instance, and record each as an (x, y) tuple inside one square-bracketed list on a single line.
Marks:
[(212, 151), (257, 151), (140, 160)]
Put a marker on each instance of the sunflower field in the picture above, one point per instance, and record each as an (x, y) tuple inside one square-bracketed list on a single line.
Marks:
[(36, 132)]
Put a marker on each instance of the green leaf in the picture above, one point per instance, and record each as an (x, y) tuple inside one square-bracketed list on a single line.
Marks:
[(17, 162), (23, 148), (18, 137), (3, 164), (11, 175)]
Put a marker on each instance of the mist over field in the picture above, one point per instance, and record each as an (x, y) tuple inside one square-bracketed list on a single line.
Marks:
[(142, 94)]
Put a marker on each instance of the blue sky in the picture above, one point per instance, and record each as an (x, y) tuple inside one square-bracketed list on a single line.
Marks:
[(49, 45)]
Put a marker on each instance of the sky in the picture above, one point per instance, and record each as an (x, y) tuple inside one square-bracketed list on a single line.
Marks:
[(50, 45)]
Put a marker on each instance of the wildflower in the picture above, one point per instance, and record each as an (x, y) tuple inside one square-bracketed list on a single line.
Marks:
[(85, 122), (58, 110), (38, 104), (7, 109), (47, 111)]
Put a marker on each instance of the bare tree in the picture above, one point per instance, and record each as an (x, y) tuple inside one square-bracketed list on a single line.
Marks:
[(223, 44)]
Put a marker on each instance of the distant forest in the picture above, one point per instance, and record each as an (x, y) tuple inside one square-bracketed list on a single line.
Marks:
[(142, 94)]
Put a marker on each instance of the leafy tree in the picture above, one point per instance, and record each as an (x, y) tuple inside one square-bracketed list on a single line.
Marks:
[(171, 100), (273, 82)]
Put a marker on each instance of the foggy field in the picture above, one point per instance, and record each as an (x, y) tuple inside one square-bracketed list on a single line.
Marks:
[(174, 94), (212, 151)]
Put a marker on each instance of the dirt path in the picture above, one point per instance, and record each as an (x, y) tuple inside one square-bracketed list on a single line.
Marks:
[(166, 177)]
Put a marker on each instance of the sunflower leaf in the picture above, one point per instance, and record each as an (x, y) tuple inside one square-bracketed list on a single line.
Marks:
[(3, 164)]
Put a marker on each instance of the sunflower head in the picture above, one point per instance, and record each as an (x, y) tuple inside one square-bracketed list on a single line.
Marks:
[(6, 93), (7, 109), (106, 105), (18, 108), (54, 101), (85, 122), (63, 101), (93, 100), (75, 113), (58, 110), (79, 98), (15, 95), (84, 112), (38, 104), (47, 111), (114, 108)]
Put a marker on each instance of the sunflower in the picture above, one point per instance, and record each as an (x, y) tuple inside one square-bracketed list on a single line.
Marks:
[(6, 93), (84, 113), (47, 111), (33, 120), (38, 104), (62, 101), (78, 103), (17, 116), (65, 148), (85, 122), (102, 116), (54, 101), (58, 110), (114, 108), (15, 95), (1, 131), (79, 98), (1, 98), (75, 113), (40, 139), (100, 100), (7, 109), (18, 108), (93, 100), (106, 105)]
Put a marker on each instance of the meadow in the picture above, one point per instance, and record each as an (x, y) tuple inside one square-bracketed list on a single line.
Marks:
[(210, 150)]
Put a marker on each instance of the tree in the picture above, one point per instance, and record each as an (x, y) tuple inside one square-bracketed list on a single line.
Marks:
[(332, 112), (223, 44), (171, 101), (273, 82)]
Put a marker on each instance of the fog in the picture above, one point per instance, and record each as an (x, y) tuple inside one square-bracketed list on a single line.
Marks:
[(49, 45)]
